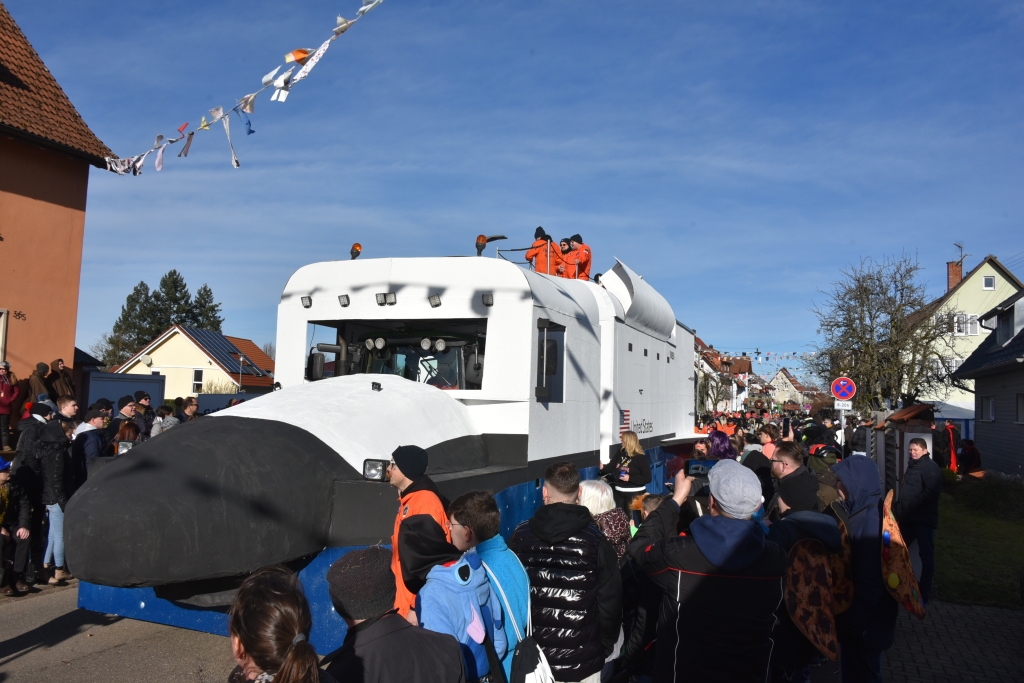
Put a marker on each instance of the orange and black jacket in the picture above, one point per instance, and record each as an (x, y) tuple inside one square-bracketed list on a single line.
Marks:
[(420, 498)]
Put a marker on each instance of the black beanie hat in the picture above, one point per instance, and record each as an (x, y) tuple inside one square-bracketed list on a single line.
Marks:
[(412, 460), (577, 239), (140, 395), (538, 233), (123, 401), (103, 403), (361, 583), (40, 409), (42, 368), (800, 491)]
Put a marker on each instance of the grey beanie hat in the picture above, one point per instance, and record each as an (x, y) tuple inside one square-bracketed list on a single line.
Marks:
[(361, 583), (736, 489)]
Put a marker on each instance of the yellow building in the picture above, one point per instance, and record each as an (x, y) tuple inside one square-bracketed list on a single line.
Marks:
[(967, 298), (198, 361)]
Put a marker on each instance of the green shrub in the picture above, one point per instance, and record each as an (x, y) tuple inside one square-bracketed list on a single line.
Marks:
[(995, 497), (948, 476)]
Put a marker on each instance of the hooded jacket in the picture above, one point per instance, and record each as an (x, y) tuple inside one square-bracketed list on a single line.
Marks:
[(870, 622), (457, 600), (37, 385), (504, 567), (55, 462), (162, 424), (575, 588), (419, 498), (59, 381), (723, 578), (26, 469)]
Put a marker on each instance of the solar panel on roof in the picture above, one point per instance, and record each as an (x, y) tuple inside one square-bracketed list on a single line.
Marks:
[(220, 349)]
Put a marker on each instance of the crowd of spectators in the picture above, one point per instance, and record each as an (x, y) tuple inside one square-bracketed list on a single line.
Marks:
[(598, 587), (47, 453)]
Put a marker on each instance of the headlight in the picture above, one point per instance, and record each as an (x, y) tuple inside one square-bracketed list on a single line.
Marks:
[(440, 345), (425, 344), (380, 343), (375, 470), (369, 345)]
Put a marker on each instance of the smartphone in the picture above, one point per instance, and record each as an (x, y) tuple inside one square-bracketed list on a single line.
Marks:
[(785, 427)]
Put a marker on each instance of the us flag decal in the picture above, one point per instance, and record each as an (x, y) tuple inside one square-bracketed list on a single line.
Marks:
[(623, 421)]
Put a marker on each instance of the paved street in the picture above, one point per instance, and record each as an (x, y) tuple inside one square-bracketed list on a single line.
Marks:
[(45, 637)]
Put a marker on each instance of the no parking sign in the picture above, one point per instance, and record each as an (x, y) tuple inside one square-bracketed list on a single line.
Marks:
[(843, 388)]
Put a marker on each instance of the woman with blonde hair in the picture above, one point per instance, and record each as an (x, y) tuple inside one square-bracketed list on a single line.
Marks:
[(629, 471), (596, 496), (269, 624)]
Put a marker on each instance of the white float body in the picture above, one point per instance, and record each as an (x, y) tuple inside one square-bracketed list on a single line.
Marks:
[(628, 362)]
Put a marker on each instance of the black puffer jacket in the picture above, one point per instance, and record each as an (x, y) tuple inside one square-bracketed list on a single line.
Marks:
[(55, 459), (919, 497), (575, 588)]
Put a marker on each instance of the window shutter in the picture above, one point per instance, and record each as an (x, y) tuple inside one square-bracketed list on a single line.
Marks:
[(973, 325)]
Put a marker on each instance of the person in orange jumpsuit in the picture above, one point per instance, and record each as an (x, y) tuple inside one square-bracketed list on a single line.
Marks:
[(578, 260), (544, 254), (417, 496)]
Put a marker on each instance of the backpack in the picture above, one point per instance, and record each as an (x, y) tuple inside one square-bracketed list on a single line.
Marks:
[(529, 665)]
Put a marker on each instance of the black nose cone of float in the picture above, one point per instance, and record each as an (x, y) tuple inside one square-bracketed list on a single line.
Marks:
[(218, 496)]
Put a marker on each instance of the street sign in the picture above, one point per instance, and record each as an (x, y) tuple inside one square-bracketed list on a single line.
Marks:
[(843, 388), (843, 405)]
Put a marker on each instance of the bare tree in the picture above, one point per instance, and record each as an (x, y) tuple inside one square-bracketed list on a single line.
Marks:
[(712, 389), (112, 348), (270, 350), (878, 328)]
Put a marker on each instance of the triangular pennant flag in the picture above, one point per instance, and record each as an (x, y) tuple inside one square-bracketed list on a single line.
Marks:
[(188, 145), (368, 5), (343, 25), (297, 56), (269, 78), (312, 61), (248, 103), (203, 125)]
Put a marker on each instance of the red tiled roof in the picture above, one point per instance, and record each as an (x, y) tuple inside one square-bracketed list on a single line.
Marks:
[(33, 106), (252, 352)]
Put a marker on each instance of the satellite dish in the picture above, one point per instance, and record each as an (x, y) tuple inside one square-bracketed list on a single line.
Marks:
[(146, 359)]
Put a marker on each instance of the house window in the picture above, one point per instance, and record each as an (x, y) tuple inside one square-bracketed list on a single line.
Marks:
[(988, 408), (988, 282), (645, 353), (1020, 408), (952, 364), (630, 347), (197, 381), (972, 325)]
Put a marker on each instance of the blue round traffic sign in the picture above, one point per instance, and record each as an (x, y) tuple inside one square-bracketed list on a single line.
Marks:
[(843, 388)]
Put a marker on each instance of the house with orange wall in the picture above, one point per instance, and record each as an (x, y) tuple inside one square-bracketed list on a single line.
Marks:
[(46, 150)]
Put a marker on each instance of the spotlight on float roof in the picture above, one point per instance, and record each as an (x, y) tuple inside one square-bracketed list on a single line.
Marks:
[(382, 298), (440, 345), (307, 301), (369, 344), (343, 300), (390, 298), (425, 343), (435, 300), (483, 240), (487, 298), (357, 249), (379, 343)]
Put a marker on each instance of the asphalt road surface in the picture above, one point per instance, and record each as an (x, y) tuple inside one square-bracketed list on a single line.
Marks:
[(45, 637)]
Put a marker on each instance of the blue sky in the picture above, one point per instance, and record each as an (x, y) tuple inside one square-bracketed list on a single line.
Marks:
[(737, 154)]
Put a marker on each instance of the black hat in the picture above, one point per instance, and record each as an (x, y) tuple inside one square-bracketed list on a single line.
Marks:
[(538, 233), (577, 239), (123, 401), (564, 239), (361, 583), (140, 395), (42, 368), (102, 403), (412, 460), (40, 409), (800, 491), (93, 413)]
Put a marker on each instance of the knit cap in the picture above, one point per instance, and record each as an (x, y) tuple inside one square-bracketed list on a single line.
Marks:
[(123, 401), (412, 460), (42, 368), (736, 489), (140, 396), (40, 409), (577, 239), (361, 583), (538, 233)]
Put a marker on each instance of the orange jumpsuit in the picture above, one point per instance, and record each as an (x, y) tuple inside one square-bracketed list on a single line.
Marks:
[(546, 257), (577, 263), (418, 502)]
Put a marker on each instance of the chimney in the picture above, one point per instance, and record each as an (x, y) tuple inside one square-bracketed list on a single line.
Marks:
[(954, 274)]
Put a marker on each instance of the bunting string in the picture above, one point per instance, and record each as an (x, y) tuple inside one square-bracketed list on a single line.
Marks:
[(304, 59)]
